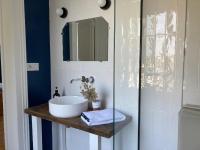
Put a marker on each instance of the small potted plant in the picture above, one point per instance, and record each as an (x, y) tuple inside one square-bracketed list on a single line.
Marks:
[(89, 93)]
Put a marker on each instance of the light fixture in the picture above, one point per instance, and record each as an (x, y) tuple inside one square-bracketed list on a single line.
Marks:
[(62, 12), (104, 4)]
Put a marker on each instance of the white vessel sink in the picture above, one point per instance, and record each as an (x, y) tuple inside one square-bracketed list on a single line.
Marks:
[(67, 106)]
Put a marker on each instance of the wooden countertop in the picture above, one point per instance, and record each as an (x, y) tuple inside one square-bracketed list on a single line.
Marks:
[(107, 131)]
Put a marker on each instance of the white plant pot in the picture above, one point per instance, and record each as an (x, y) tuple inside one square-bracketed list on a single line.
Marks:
[(96, 104)]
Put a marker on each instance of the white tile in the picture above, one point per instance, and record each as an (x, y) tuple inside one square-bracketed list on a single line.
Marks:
[(127, 69), (162, 63)]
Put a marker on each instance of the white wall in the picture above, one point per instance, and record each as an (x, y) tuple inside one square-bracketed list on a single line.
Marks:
[(191, 93), (162, 74), (63, 72), (127, 69)]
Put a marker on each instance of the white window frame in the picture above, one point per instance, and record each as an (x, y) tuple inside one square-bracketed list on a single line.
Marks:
[(14, 73)]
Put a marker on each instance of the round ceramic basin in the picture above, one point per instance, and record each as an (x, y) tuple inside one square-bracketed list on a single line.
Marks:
[(67, 106)]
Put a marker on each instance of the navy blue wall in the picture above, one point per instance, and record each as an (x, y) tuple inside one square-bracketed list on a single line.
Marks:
[(38, 51)]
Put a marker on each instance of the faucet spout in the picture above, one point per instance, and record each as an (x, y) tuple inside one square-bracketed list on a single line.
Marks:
[(72, 80)]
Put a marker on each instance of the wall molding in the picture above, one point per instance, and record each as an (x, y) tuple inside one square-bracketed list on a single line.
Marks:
[(15, 99)]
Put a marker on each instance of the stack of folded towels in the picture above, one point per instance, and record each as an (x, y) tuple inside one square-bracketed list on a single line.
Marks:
[(101, 117)]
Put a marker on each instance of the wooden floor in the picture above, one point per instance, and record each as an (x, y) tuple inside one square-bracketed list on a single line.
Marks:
[(1, 134)]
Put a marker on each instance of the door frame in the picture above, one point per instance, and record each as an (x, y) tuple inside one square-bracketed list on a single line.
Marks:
[(14, 74)]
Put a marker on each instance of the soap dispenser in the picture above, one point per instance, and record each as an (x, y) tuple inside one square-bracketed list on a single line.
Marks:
[(56, 94)]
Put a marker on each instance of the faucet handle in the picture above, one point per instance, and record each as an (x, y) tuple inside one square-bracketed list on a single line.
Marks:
[(88, 80), (91, 79), (84, 79)]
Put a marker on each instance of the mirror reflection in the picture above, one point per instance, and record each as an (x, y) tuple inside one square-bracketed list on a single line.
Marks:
[(86, 40)]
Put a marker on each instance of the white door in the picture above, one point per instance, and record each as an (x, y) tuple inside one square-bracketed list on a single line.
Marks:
[(13, 50)]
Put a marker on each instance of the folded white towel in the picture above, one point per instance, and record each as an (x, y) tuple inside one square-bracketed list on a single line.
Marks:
[(101, 117)]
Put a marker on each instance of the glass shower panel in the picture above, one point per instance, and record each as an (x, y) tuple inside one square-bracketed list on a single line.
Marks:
[(127, 50)]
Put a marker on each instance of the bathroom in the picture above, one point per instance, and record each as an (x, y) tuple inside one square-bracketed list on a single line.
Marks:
[(146, 73)]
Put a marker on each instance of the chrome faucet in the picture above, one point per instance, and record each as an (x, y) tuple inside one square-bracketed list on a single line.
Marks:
[(84, 79), (72, 80)]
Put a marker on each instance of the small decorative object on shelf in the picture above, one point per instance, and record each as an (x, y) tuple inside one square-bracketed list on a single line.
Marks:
[(89, 93), (96, 104)]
